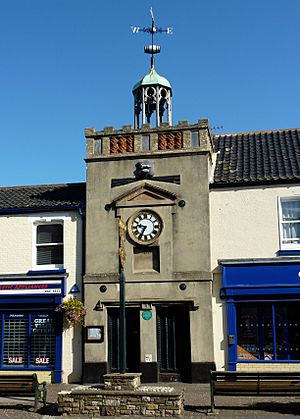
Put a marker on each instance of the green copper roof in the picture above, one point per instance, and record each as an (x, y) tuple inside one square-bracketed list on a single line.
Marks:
[(152, 78)]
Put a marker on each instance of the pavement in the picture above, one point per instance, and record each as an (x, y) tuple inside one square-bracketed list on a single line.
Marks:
[(197, 404)]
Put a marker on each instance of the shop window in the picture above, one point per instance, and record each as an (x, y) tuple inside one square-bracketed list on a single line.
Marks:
[(49, 244), (42, 341), (29, 341), (290, 223), (269, 331), (15, 341)]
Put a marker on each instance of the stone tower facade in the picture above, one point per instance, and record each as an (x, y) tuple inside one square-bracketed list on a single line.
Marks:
[(156, 180)]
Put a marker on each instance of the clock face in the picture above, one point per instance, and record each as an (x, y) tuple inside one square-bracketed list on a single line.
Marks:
[(145, 227)]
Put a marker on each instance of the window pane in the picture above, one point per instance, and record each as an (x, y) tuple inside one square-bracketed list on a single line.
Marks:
[(42, 342), (288, 331), (266, 332), (290, 210), (247, 331), (15, 350), (52, 233), (255, 332), (281, 333), (50, 255), (291, 232)]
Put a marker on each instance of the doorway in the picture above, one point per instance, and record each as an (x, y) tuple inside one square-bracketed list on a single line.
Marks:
[(173, 343), (132, 339)]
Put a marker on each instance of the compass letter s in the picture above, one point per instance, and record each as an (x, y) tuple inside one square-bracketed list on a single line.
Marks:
[(135, 29)]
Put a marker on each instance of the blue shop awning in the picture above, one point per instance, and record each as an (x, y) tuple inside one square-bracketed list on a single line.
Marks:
[(260, 277)]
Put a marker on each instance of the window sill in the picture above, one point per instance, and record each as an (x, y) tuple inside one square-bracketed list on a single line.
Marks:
[(46, 271), (268, 361), (288, 252)]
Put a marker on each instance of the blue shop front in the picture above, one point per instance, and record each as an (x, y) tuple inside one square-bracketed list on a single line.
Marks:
[(263, 312), (31, 326)]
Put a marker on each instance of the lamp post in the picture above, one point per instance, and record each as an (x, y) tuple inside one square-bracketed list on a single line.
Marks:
[(122, 320)]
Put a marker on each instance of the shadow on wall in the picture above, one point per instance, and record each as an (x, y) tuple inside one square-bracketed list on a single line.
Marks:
[(220, 305), (76, 374), (77, 344)]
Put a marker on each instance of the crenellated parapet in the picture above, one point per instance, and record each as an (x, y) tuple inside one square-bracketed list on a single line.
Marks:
[(149, 140)]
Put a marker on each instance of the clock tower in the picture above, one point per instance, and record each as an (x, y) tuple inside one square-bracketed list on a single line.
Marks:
[(154, 182)]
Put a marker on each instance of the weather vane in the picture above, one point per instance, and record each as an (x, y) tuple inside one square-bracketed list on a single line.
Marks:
[(152, 49)]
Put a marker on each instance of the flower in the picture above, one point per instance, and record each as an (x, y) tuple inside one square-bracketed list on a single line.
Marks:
[(73, 311)]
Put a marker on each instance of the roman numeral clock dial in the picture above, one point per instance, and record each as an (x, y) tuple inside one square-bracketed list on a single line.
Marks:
[(145, 227)]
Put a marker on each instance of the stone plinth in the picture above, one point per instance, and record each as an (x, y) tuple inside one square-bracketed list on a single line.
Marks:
[(127, 381), (144, 401)]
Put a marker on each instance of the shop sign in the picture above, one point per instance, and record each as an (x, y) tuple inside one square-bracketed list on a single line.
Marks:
[(42, 360), (94, 334), (148, 357), (31, 287), (244, 354), (42, 326), (147, 314), (15, 360)]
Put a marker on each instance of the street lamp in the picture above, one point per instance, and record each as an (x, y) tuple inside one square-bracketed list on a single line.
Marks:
[(122, 321)]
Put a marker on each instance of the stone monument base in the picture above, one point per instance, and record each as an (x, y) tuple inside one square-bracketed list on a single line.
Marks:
[(127, 381), (143, 401)]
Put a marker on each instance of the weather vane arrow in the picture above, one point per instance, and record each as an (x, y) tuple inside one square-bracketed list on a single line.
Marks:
[(153, 29)]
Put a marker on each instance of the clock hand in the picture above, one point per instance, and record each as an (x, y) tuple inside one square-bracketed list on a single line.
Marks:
[(144, 228)]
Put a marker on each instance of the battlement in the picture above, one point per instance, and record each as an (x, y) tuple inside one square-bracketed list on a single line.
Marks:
[(147, 139)]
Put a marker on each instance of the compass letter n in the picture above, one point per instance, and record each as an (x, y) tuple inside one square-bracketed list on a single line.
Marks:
[(135, 29)]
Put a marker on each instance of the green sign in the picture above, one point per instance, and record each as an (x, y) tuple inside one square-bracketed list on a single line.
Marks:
[(147, 314)]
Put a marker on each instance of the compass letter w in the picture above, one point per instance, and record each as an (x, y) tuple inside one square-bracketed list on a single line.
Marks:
[(135, 29)]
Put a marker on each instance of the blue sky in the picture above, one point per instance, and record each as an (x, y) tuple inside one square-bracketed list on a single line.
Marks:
[(71, 64)]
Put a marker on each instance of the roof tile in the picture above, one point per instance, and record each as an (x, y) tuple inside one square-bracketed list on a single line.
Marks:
[(257, 157), (42, 196)]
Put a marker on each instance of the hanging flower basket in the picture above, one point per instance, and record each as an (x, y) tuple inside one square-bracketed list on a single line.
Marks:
[(73, 311)]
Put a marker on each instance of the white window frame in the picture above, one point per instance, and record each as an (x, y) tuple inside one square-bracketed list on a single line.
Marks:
[(284, 245), (36, 224)]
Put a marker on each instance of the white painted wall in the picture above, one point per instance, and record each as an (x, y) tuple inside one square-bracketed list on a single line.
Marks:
[(244, 224), (17, 244)]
